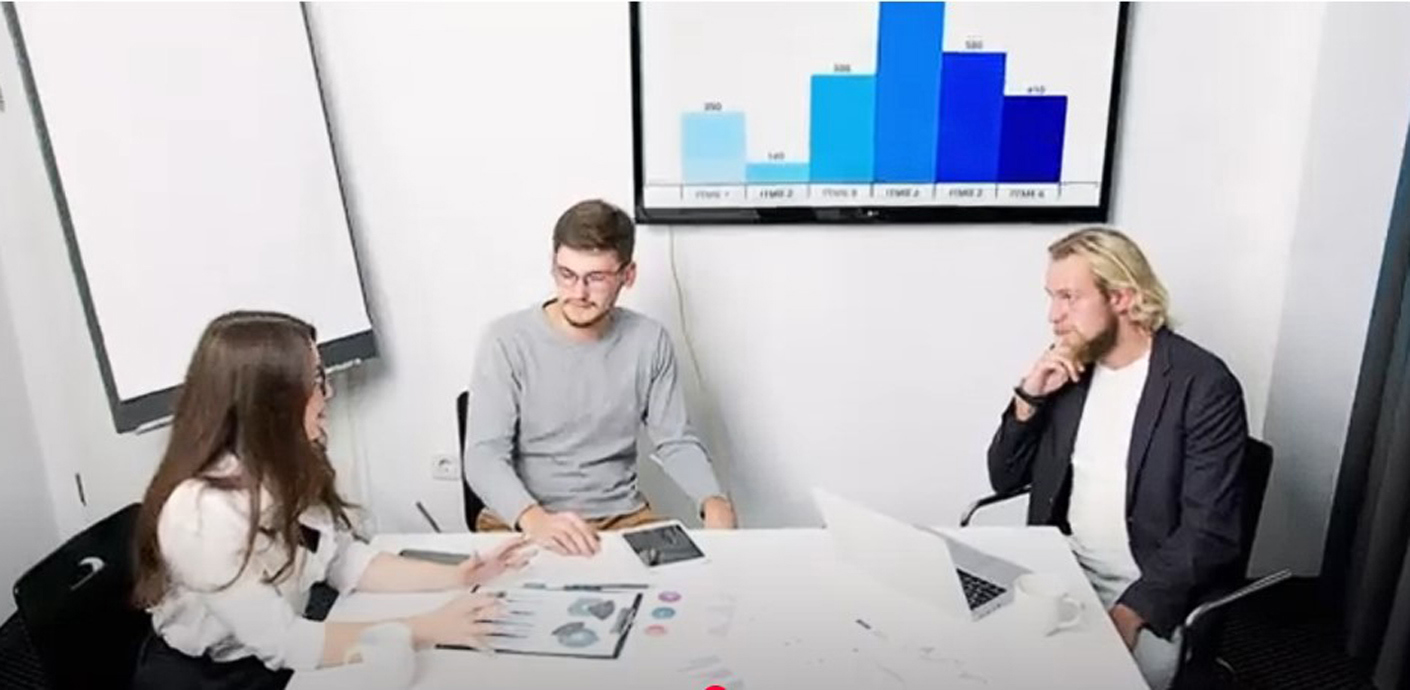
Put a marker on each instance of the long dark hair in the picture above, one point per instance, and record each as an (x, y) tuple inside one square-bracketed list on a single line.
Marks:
[(246, 392)]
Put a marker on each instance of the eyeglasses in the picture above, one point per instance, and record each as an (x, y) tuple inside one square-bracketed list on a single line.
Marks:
[(321, 382), (567, 278), (595, 280)]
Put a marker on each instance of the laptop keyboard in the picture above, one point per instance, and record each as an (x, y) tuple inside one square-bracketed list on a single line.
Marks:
[(978, 591)]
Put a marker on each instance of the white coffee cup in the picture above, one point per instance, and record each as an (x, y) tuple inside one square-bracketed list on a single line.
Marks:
[(1045, 600)]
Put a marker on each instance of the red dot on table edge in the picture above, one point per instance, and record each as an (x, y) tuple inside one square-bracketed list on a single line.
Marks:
[(716, 687)]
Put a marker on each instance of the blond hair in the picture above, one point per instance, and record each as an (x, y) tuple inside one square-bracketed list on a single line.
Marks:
[(1118, 264)]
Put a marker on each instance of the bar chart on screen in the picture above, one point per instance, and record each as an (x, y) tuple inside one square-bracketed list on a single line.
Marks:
[(880, 105)]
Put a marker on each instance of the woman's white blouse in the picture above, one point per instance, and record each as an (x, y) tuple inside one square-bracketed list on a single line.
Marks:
[(202, 533)]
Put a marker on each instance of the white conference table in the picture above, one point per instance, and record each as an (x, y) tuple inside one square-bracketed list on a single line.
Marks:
[(778, 608)]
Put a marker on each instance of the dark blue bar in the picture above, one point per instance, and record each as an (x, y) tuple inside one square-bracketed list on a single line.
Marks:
[(971, 117), (1033, 133), (843, 119), (907, 81)]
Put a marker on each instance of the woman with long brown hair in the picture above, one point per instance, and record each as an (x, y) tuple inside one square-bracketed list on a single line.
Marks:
[(243, 517)]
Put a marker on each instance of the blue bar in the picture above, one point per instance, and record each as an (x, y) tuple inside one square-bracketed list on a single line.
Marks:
[(712, 147), (776, 173), (842, 120), (1033, 135), (971, 117), (907, 83)]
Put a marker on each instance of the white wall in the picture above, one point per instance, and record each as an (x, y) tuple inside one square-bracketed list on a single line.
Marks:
[(27, 529), (1358, 125), (62, 383), (1210, 164), (871, 360)]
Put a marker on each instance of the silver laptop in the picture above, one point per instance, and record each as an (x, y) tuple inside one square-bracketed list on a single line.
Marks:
[(920, 562)]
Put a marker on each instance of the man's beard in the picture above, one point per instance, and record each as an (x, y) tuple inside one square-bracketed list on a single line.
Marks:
[(585, 324), (1092, 349)]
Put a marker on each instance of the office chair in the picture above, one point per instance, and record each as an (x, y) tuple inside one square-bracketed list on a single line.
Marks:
[(1200, 666), (76, 608), (473, 504)]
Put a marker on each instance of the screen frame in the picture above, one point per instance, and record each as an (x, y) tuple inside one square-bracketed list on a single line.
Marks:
[(854, 215)]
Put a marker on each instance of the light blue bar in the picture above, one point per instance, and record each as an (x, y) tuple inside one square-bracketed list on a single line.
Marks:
[(843, 135), (712, 147), (776, 173)]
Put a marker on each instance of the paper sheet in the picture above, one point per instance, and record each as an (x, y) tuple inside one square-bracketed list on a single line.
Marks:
[(586, 624)]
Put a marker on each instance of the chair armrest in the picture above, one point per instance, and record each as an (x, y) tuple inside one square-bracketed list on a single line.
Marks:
[(1212, 605), (990, 500)]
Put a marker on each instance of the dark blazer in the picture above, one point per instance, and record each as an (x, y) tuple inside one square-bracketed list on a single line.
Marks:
[(1182, 478)]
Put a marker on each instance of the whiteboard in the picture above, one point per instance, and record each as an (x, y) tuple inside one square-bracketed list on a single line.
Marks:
[(193, 169)]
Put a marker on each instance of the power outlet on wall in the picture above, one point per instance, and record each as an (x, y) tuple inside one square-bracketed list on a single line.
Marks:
[(445, 467)]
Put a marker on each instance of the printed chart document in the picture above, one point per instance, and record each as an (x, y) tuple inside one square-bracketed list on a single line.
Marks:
[(550, 622)]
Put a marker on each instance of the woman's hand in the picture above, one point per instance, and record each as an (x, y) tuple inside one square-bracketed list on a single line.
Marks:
[(507, 557), (464, 621)]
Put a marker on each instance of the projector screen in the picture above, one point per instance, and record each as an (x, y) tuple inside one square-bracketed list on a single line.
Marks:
[(925, 112), (193, 171)]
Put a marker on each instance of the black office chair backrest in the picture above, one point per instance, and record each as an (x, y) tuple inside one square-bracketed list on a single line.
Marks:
[(1257, 466), (1199, 665), (77, 610), (473, 504)]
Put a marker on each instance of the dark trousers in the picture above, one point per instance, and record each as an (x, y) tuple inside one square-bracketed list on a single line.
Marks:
[(159, 667)]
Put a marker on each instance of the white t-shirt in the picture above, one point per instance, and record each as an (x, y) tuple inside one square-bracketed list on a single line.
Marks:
[(1097, 511), (201, 533)]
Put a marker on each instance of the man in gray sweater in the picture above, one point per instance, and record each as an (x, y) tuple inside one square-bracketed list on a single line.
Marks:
[(560, 391)]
